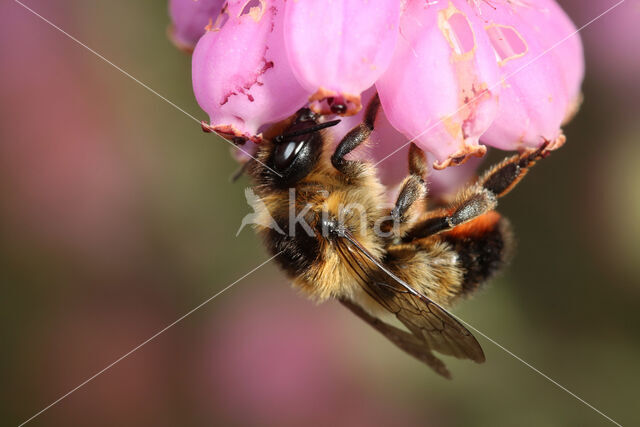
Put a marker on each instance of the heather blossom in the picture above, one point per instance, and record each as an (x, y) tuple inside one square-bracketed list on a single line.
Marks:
[(453, 75), (189, 20)]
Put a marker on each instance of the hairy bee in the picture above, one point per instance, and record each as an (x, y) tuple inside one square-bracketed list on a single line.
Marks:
[(326, 220)]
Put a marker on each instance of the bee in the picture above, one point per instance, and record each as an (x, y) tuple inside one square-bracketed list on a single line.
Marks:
[(326, 220)]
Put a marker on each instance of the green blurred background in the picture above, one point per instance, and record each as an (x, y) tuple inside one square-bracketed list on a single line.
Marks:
[(117, 217)]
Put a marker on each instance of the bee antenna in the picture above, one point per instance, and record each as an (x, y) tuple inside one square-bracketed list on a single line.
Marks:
[(305, 131)]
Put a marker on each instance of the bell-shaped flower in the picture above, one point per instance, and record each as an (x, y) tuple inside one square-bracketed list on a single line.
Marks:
[(189, 19), (452, 74), (240, 72), (442, 85), (541, 65), (337, 49)]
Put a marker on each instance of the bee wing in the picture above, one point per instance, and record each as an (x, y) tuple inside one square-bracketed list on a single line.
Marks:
[(429, 323), (406, 341)]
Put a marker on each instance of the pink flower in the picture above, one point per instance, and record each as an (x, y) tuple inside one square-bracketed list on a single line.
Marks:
[(442, 85), (339, 49), (541, 64), (189, 19), (241, 75), (452, 74)]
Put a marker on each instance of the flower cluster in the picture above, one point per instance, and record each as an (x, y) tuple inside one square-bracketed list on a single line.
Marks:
[(453, 75)]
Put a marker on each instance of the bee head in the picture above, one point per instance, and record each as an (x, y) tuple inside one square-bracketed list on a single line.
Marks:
[(297, 149)]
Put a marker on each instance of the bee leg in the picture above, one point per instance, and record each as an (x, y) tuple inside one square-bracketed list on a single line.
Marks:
[(501, 178), (410, 202), (417, 162), (355, 137), (481, 197), (244, 168)]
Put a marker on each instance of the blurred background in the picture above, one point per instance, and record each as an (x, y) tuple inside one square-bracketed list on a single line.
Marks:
[(117, 217)]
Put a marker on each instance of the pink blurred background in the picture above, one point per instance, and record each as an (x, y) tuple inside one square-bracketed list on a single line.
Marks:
[(117, 217)]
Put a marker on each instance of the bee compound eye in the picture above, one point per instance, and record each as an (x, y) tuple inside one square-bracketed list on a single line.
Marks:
[(285, 153)]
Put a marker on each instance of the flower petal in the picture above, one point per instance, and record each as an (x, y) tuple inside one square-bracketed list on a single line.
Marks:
[(441, 86), (560, 37), (189, 19), (538, 84), (339, 48), (241, 76)]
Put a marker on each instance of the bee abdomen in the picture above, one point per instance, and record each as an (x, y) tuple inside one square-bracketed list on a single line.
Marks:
[(484, 246)]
